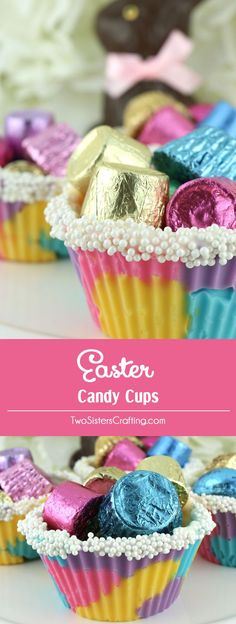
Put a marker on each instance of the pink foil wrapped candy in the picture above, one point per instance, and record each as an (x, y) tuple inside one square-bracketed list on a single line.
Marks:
[(22, 124), (6, 152), (125, 455), (164, 126), (200, 111), (12, 456), (72, 507), (149, 441), (52, 148), (202, 202), (24, 480)]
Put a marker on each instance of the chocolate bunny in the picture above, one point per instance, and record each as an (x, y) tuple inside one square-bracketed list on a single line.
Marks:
[(140, 27)]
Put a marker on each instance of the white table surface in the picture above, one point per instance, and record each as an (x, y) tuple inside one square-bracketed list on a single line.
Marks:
[(28, 596), (43, 301)]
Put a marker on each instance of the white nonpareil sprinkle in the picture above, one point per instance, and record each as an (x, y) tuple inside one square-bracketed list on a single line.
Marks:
[(217, 503), (139, 241), (10, 509), (27, 187), (60, 543)]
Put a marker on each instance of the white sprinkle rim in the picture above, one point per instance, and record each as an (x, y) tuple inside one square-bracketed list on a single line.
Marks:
[(138, 241), (10, 509), (26, 186), (55, 543), (217, 503)]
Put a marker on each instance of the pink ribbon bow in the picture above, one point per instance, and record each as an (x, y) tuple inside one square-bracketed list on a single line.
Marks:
[(123, 71)]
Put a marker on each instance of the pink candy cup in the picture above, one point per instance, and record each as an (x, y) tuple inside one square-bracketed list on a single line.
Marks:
[(165, 125)]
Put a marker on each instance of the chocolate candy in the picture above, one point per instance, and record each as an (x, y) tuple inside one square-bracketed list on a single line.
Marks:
[(125, 455), (200, 110), (165, 125), (121, 191), (73, 508), (24, 166), (222, 116), (104, 145), (204, 153), (201, 203), (6, 151), (169, 468), (220, 482), (228, 460), (149, 441), (140, 503), (13, 456), (24, 480), (104, 444), (22, 124), (102, 479), (167, 445), (140, 108), (5, 499), (52, 148)]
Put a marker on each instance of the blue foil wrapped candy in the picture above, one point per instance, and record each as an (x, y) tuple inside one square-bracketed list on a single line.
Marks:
[(222, 116), (167, 445), (204, 153), (219, 482), (140, 503)]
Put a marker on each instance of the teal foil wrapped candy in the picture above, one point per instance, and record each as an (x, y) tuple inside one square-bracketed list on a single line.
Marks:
[(140, 503), (204, 153)]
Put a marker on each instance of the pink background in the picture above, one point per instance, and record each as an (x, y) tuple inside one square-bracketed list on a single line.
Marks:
[(41, 377)]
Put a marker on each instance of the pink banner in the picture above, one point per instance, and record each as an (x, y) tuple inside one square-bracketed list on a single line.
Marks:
[(65, 387)]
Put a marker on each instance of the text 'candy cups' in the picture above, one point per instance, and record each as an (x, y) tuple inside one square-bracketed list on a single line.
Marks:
[(220, 546), (24, 233), (118, 579), (142, 282)]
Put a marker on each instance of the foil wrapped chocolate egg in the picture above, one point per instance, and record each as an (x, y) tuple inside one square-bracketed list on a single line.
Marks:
[(120, 191), (202, 202), (73, 508), (10, 457), (24, 480), (141, 107), (219, 482), (102, 479), (169, 468), (124, 455), (167, 445), (228, 460), (140, 503), (104, 145)]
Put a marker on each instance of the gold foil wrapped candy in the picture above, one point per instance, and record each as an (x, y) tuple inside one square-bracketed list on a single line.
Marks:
[(5, 499), (143, 106), (121, 191), (23, 166), (100, 473), (104, 444), (169, 468), (227, 460), (104, 144)]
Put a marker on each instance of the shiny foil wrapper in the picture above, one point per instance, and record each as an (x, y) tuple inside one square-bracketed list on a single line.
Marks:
[(104, 444), (20, 125), (118, 192), (102, 479), (201, 203), (24, 166), (12, 456), (104, 145), (228, 460), (24, 480), (6, 151), (200, 110), (73, 508), (140, 503), (148, 441), (165, 125), (222, 116), (204, 153), (219, 482), (5, 499), (125, 455), (167, 445), (140, 108), (52, 149), (169, 468)]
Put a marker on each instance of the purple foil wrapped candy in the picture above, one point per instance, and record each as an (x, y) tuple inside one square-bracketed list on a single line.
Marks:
[(24, 480), (22, 124), (201, 203), (6, 152), (72, 507), (165, 125), (52, 149), (13, 456)]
